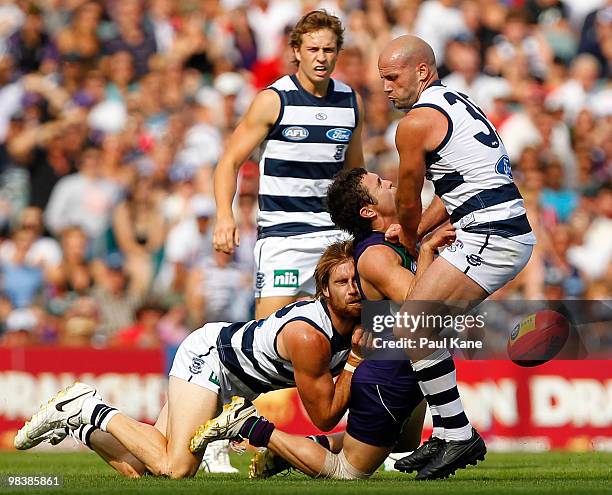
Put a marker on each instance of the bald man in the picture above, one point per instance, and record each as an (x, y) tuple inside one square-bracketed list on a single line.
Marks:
[(447, 139)]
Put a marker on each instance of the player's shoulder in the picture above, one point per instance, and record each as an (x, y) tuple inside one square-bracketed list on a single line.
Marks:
[(375, 256), (305, 334), (265, 107), (379, 253), (285, 83)]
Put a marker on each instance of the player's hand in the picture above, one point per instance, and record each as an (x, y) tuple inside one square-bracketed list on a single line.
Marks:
[(392, 234), (226, 235), (443, 236), (395, 235), (361, 341)]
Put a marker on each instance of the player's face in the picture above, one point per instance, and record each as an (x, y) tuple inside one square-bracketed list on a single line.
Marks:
[(400, 82), (383, 191), (342, 292), (317, 55)]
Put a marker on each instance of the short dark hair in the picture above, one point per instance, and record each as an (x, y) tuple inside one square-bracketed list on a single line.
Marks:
[(345, 198), (316, 20), (335, 254)]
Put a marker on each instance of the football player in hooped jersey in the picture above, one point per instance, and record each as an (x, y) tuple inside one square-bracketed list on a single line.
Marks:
[(302, 345), (309, 126), (448, 139)]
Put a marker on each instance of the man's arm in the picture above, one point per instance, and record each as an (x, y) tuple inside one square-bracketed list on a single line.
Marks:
[(310, 353), (251, 131), (433, 216), (354, 152), (443, 236), (410, 142), (394, 281)]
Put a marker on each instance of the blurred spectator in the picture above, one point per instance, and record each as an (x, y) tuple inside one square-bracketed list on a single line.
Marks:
[(555, 197), (437, 22), (138, 232), (74, 276), (188, 243), (20, 327), (22, 279), (31, 46), (467, 78), (268, 20), (218, 290), (80, 323), (594, 256), (84, 199), (143, 332), (80, 36), (116, 297), (131, 35)]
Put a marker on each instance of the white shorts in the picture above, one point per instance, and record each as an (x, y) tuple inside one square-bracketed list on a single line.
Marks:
[(489, 260), (285, 265), (197, 361)]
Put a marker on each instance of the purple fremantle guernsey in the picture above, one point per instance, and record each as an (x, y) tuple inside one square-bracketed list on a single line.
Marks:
[(393, 367)]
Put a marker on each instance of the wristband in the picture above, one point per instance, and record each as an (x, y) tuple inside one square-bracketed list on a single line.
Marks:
[(349, 367), (354, 357)]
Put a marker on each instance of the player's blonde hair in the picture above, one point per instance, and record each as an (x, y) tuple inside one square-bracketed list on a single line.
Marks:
[(315, 21), (334, 255)]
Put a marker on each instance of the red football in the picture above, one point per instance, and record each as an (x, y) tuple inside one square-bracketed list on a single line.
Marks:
[(538, 338)]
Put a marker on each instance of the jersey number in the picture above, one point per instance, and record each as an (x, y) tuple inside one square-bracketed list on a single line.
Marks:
[(489, 139)]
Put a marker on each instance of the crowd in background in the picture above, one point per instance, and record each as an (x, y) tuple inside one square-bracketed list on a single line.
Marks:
[(114, 113)]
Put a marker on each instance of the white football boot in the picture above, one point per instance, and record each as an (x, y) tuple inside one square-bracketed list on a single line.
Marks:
[(216, 458), (62, 411), (226, 426)]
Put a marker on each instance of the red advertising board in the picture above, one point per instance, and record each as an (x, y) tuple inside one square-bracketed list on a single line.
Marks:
[(562, 404)]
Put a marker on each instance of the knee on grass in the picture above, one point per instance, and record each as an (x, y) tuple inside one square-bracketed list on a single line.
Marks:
[(174, 470), (337, 467)]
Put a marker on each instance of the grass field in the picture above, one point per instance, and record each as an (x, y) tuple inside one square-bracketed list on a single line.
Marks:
[(550, 473)]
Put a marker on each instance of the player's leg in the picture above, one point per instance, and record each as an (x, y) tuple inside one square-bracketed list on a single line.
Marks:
[(192, 399), (189, 405), (465, 274), (112, 451), (265, 306), (412, 431), (356, 460), (266, 463)]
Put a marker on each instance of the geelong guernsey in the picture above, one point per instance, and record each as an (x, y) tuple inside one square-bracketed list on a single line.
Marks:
[(471, 170), (249, 351), (303, 151)]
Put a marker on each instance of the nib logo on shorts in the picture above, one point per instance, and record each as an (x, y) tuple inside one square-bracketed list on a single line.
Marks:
[(287, 278), (213, 378)]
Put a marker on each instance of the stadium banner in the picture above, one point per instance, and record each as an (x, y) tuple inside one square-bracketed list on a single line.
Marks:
[(557, 405)]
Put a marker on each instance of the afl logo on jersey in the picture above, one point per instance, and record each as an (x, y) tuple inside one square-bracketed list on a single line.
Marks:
[(295, 133), (339, 135)]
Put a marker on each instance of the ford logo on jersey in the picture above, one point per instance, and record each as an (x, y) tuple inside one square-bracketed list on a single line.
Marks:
[(295, 133), (339, 134), (503, 166)]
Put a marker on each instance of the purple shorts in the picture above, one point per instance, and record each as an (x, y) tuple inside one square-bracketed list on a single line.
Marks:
[(379, 408)]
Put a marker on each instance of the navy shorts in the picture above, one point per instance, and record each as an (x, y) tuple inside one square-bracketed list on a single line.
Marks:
[(377, 411)]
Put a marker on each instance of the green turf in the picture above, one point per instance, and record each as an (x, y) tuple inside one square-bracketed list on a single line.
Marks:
[(550, 473)]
